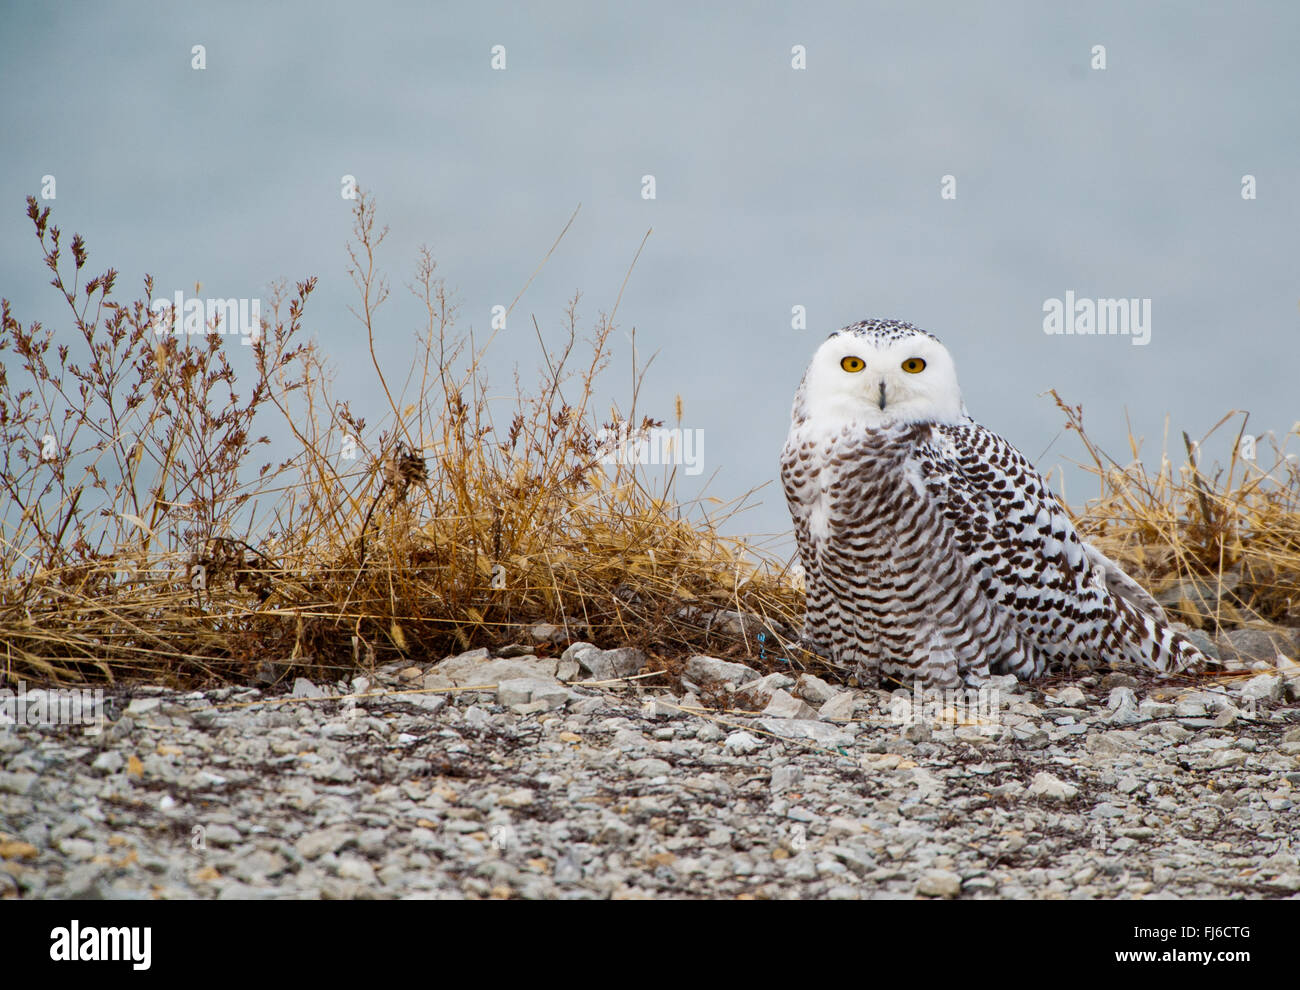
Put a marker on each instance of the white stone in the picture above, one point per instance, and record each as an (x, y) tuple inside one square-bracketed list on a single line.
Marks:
[(838, 708), (939, 883), (1262, 687), (1071, 697), (741, 743), (814, 690), (1053, 788), (786, 705)]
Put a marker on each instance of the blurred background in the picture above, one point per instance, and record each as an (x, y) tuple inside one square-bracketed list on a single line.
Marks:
[(775, 187)]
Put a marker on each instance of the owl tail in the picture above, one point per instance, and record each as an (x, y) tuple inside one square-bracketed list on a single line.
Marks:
[(1147, 641)]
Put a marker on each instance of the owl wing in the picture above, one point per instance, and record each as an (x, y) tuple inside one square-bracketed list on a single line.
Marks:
[(822, 618), (1119, 583), (1069, 600)]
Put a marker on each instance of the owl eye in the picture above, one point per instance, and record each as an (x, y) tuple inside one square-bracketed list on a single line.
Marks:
[(914, 366), (852, 364)]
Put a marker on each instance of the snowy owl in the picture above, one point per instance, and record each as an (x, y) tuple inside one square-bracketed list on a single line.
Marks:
[(933, 551)]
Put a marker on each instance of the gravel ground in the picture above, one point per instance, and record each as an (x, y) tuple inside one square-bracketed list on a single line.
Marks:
[(1103, 787)]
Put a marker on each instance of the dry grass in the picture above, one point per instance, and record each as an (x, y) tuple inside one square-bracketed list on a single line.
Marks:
[(1232, 532), (149, 545)]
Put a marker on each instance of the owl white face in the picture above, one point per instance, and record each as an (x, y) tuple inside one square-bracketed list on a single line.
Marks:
[(877, 381)]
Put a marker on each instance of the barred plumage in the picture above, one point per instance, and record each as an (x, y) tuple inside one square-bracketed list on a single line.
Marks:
[(933, 550)]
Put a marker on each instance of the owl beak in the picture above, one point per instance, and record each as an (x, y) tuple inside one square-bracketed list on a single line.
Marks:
[(882, 395)]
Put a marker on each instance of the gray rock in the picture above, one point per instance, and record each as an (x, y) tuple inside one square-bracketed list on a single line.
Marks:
[(612, 798), (85, 883), (1006, 684), (821, 733), (1262, 687), (77, 848), (628, 740), (839, 708), (814, 690), (17, 783), (741, 743), (334, 771), (109, 761), (470, 659), (1227, 758), (429, 704), (1118, 679), (1045, 785), (1286, 882), (650, 767), (221, 835), (615, 832), (68, 826), (1071, 697), (1227, 716), (607, 665), (544, 632), (1200, 595), (567, 869), (326, 840), (733, 623), (260, 865), (801, 868), (784, 778), (708, 733), (522, 690), (664, 707), (519, 797), (759, 693), (709, 671), (303, 688), (1150, 708), (571, 653), (854, 858), (1122, 707), (786, 705), (939, 883), (918, 732), (473, 668), (477, 718), (1249, 645), (568, 670), (355, 868)]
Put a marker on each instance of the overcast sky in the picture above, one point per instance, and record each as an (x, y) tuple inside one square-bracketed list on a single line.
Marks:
[(775, 187)]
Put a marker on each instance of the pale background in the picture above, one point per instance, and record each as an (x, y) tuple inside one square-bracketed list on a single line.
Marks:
[(775, 188)]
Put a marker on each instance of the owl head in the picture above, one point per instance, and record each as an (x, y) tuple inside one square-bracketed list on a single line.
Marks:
[(881, 373)]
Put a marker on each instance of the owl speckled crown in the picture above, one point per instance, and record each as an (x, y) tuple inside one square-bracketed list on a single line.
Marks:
[(884, 331)]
